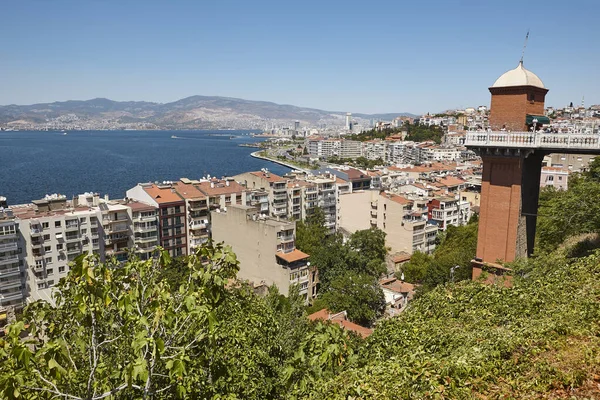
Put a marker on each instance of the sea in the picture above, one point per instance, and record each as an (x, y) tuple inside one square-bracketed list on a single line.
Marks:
[(33, 164)]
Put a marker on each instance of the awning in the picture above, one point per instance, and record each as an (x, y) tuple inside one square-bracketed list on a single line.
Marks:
[(541, 119)]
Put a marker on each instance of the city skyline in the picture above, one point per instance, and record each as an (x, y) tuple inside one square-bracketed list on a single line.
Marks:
[(336, 56)]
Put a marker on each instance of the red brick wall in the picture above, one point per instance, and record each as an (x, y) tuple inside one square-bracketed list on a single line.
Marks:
[(500, 209), (511, 105)]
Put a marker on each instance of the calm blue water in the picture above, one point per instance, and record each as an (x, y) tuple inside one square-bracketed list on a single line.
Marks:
[(33, 164)]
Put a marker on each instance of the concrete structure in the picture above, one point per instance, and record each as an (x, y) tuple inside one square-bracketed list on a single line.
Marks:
[(53, 232), (265, 248), (145, 237), (196, 214), (512, 163), (403, 220), (172, 214), (12, 284)]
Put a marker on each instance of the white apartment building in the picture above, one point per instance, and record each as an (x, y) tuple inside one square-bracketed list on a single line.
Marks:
[(54, 232), (374, 150), (145, 237), (446, 211), (403, 220), (12, 283), (350, 149)]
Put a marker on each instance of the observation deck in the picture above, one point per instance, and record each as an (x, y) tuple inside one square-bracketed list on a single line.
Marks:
[(495, 141)]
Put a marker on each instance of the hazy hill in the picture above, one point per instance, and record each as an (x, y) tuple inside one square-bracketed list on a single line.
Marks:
[(190, 112)]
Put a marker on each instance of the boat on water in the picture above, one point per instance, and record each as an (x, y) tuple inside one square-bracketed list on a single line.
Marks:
[(174, 137), (64, 133)]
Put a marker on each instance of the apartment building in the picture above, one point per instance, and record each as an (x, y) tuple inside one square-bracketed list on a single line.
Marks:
[(144, 218), (274, 185), (403, 220), (12, 282), (271, 257), (53, 232), (172, 214), (222, 193), (196, 212), (350, 149), (555, 177), (117, 229), (323, 191), (445, 211), (374, 149)]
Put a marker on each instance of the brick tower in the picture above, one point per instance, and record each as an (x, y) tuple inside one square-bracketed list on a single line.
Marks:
[(511, 178), (517, 98)]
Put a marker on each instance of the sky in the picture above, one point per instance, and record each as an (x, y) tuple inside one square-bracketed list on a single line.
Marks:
[(356, 56)]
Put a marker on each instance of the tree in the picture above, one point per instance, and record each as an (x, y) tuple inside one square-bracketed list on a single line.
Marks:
[(311, 233), (416, 269), (134, 331), (357, 293)]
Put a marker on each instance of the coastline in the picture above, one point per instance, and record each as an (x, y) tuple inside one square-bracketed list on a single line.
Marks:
[(276, 161)]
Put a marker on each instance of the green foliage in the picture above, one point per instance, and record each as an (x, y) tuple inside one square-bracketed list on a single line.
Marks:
[(357, 293), (138, 331), (457, 247), (538, 339), (415, 132), (562, 214), (360, 162), (362, 257), (312, 232)]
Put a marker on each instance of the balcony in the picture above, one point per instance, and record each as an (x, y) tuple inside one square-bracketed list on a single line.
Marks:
[(146, 218), (374, 213), (10, 284), (10, 271), (72, 239), (285, 239), (141, 228), (11, 296), (279, 211), (71, 227), (197, 225), (197, 206), (8, 247), (74, 250), (35, 232), (8, 235), (116, 228), (145, 239), (145, 249), (280, 196), (10, 259)]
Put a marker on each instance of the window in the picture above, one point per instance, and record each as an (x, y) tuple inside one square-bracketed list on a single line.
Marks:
[(39, 263), (61, 269), (59, 246), (560, 178), (41, 285), (57, 224), (82, 221), (45, 225), (46, 237), (47, 248), (50, 282), (50, 271), (48, 260)]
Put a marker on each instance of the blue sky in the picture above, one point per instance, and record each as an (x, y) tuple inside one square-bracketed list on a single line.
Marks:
[(359, 56)]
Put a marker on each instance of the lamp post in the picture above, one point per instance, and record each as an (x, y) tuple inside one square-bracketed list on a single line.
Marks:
[(452, 272)]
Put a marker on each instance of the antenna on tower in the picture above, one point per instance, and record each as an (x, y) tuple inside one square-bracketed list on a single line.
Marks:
[(524, 46)]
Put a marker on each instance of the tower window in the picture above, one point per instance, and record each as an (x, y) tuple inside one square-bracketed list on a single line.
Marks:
[(531, 97)]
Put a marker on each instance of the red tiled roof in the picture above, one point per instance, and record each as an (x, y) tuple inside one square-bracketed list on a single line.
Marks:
[(356, 174), (188, 191), (340, 319), (220, 187), (401, 257), (163, 195), (395, 198), (451, 181), (139, 206), (270, 177), (292, 256)]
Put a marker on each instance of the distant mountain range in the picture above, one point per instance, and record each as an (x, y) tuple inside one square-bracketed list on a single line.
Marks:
[(195, 112)]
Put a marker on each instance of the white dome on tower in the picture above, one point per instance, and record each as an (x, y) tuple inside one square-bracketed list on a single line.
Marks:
[(519, 77)]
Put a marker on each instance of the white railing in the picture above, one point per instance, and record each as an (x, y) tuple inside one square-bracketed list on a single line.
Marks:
[(533, 140)]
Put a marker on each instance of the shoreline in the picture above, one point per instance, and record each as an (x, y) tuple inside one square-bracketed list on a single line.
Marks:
[(276, 161)]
